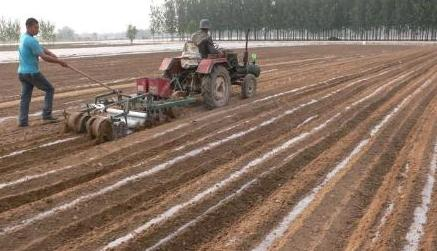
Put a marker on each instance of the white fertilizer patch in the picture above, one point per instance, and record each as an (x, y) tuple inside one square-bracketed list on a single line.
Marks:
[(416, 231)]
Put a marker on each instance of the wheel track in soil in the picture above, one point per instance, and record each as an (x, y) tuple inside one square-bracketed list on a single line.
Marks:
[(205, 166)]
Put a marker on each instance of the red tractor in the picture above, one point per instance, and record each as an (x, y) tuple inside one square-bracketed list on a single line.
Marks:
[(189, 75), (184, 80)]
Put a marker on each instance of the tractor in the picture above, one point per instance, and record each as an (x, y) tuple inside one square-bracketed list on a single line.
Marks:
[(185, 80), (189, 75)]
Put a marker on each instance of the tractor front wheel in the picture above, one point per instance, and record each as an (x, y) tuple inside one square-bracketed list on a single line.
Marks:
[(216, 87), (248, 87)]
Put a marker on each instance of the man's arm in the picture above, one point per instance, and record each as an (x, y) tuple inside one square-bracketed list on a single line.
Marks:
[(46, 51), (52, 58), (45, 54)]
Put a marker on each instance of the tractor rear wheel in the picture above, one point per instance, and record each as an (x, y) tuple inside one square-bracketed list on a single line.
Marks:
[(248, 87), (216, 87)]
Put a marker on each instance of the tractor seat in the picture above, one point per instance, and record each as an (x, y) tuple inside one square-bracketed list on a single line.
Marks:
[(190, 56)]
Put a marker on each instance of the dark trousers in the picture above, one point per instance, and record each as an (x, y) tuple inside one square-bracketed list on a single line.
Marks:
[(28, 81), (207, 47)]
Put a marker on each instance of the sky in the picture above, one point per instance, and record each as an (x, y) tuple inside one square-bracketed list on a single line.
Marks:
[(83, 16)]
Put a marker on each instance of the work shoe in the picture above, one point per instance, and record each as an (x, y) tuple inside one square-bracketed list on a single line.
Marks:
[(50, 120), (23, 125)]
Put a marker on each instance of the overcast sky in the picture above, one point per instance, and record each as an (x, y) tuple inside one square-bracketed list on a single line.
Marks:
[(101, 16)]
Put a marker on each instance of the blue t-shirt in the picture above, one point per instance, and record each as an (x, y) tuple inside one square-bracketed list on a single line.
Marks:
[(29, 51)]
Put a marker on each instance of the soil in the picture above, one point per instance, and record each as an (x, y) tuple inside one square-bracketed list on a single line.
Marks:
[(333, 153)]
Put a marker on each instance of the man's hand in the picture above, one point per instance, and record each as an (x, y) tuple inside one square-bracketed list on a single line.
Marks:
[(63, 63)]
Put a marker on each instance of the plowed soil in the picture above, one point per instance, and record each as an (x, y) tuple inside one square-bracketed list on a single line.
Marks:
[(337, 151)]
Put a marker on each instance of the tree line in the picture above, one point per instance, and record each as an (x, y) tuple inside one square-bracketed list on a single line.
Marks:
[(300, 19), (10, 31)]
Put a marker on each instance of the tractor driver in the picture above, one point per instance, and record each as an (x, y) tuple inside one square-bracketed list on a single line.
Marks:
[(203, 40)]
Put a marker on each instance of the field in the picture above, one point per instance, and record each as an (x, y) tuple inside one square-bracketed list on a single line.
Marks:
[(337, 151)]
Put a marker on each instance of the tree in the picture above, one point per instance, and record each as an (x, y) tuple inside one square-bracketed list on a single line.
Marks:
[(3, 26), (15, 30), (156, 17), (302, 19), (131, 32), (66, 34), (9, 30), (170, 21), (47, 31)]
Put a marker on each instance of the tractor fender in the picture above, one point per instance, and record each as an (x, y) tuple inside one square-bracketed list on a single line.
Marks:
[(166, 64), (206, 65)]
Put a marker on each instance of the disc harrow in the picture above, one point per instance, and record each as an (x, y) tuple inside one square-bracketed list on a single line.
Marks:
[(114, 115)]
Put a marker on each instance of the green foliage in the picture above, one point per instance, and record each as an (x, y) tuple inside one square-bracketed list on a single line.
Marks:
[(9, 30), (131, 32), (170, 21), (3, 24), (363, 17), (47, 31), (156, 17)]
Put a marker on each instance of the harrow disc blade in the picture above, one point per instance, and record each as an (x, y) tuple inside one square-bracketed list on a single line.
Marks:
[(76, 122), (100, 128)]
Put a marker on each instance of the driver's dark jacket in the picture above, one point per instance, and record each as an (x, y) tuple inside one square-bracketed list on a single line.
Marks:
[(204, 42)]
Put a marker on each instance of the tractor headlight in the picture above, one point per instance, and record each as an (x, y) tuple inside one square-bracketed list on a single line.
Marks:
[(253, 56)]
